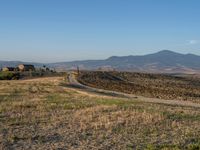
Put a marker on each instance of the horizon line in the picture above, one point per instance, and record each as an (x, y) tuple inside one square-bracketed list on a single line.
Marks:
[(24, 61)]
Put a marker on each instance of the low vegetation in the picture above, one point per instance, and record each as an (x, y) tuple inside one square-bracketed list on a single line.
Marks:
[(149, 85), (44, 114), (16, 75), (9, 76)]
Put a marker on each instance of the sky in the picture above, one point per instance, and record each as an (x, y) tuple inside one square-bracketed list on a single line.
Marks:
[(66, 30)]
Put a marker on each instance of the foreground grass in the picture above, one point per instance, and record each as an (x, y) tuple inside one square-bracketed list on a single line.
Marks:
[(41, 114)]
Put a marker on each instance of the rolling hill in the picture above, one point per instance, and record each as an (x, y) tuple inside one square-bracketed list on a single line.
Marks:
[(164, 61), (16, 63)]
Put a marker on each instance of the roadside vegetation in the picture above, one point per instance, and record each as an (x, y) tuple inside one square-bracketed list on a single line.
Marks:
[(44, 114)]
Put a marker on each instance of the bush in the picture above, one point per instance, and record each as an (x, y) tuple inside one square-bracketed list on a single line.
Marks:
[(9, 76)]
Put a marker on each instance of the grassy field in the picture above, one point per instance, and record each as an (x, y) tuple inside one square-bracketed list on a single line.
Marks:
[(44, 114), (148, 85)]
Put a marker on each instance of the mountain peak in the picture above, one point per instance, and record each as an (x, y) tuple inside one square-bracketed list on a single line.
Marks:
[(166, 52)]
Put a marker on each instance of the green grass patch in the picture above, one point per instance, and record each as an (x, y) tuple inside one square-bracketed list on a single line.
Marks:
[(64, 102), (182, 116)]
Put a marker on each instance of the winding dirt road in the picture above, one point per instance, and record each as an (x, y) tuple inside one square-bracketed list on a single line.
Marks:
[(80, 87)]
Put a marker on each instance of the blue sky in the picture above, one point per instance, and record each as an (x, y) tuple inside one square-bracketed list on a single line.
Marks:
[(65, 30)]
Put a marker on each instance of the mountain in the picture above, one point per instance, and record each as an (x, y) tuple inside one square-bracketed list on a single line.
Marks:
[(16, 63), (164, 61)]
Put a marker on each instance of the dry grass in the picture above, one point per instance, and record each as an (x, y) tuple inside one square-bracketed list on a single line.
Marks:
[(42, 114)]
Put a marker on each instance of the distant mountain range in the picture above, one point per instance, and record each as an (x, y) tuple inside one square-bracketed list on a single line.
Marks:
[(16, 63), (164, 61)]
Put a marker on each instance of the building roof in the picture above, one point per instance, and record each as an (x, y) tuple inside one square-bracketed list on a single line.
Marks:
[(27, 65)]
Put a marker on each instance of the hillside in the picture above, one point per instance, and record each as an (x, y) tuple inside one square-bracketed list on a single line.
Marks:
[(149, 85), (164, 61), (16, 63)]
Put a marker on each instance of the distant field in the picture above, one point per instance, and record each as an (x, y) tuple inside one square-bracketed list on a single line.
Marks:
[(44, 114), (149, 85)]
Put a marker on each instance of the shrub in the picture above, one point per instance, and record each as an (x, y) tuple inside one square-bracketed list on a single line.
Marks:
[(9, 76)]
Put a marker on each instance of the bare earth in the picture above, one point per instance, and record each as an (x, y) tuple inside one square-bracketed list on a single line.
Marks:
[(162, 86), (73, 81)]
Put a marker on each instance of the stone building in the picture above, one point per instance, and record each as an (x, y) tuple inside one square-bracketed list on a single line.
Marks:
[(25, 67)]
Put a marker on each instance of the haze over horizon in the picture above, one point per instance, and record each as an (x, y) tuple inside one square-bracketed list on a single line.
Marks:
[(55, 31), (161, 51)]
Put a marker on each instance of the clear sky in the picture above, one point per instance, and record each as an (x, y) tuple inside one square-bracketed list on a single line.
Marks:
[(65, 30)]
